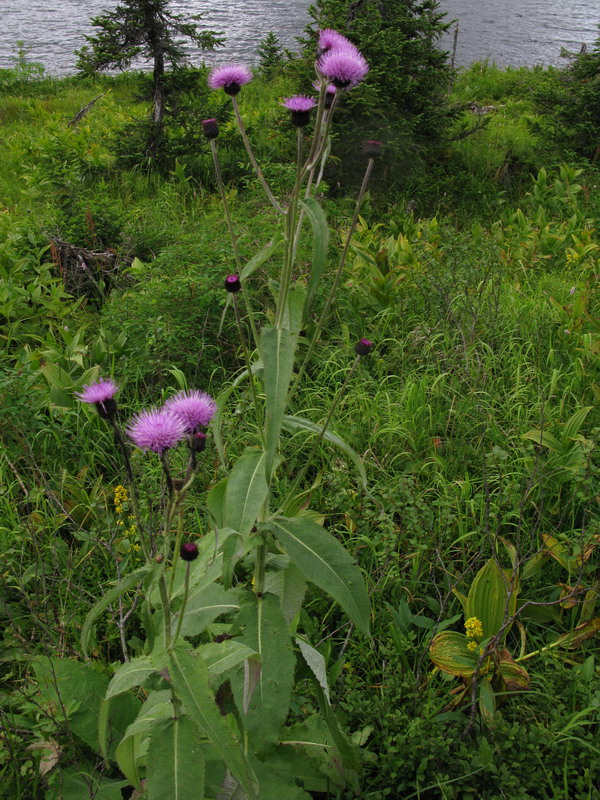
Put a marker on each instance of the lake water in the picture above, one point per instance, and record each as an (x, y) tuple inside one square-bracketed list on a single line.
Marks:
[(515, 32)]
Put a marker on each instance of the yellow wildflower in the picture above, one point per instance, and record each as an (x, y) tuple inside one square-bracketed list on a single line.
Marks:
[(474, 628), (472, 646)]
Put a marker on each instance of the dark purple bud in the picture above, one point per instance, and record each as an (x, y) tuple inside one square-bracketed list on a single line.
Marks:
[(372, 148), (233, 283), (363, 347), (198, 442), (189, 551), (210, 128)]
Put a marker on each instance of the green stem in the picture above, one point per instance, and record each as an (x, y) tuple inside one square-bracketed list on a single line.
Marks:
[(253, 161), (249, 368), (186, 592), (176, 548), (336, 280), (290, 248), (162, 588), (233, 237)]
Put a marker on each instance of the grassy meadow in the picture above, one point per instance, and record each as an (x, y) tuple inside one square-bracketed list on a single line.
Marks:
[(474, 418)]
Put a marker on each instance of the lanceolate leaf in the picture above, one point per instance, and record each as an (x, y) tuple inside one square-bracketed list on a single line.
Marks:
[(132, 673), (318, 222), (278, 347), (222, 656), (190, 680), (323, 560), (203, 608), (246, 491), (113, 594), (265, 632), (175, 761), (293, 423)]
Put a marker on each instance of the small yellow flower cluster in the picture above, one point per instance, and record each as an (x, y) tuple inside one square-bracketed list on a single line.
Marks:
[(572, 259), (474, 628), (120, 498)]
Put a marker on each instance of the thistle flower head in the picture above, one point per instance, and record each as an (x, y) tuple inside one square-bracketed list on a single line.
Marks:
[(189, 551), (230, 78), (300, 106), (344, 67), (210, 128), (195, 409), (363, 347), (101, 394), (332, 40), (156, 430), (233, 284)]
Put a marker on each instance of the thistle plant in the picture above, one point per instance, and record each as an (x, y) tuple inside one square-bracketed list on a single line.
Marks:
[(223, 645)]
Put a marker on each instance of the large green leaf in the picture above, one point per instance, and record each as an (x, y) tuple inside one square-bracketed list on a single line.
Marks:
[(318, 221), (247, 490), (76, 688), (265, 632), (127, 755), (323, 560), (175, 761), (204, 607), (289, 585), (221, 400), (573, 425), (113, 594), (278, 347), (158, 705), (132, 673), (449, 652), (222, 656), (189, 675), (293, 423), (487, 599)]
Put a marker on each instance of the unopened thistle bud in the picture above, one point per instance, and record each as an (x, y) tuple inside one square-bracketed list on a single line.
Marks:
[(189, 551), (372, 148), (210, 128), (363, 347), (300, 107), (233, 283), (198, 442)]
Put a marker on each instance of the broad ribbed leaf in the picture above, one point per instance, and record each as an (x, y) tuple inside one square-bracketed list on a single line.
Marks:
[(487, 700), (449, 652), (265, 632), (293, 423), (318, 221), (222, 656), (175, 761), (544, 438), (323, 560), (132, 673), (515, 677), (278, 347), (487, 598), (189, 674), (246, 491), (203, 608), (113, 594), (573, 424)]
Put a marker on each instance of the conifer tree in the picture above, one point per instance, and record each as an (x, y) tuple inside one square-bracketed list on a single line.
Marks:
[(143, 29)]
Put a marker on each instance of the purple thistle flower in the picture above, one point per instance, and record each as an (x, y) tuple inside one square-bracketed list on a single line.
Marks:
[(300, 106), (332, 40), (156, 430), (101, 394), (344, 68), (229, 78), (195, 409)]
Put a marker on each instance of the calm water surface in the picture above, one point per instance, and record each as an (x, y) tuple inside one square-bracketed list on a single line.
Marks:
[(515, 32)]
